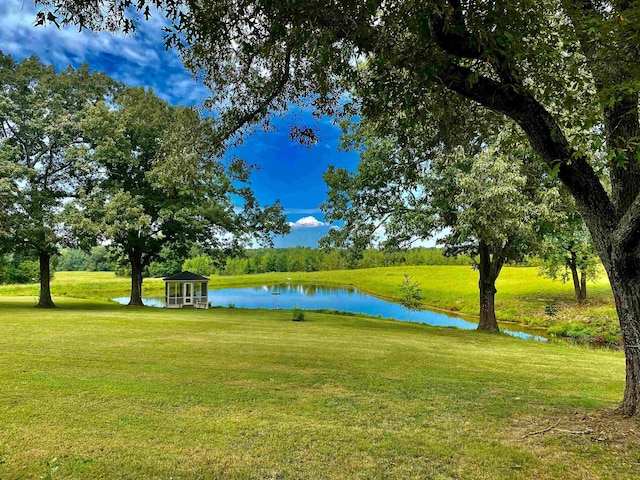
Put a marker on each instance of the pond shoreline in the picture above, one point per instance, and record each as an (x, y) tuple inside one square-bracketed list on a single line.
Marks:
[(334, 297), (453, 313)]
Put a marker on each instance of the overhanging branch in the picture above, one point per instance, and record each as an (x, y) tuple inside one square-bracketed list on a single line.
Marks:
[(545, 135), (264, 105)]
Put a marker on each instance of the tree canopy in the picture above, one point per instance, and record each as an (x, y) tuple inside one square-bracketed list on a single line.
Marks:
[(491, 205), (159, 184), (40, 115)]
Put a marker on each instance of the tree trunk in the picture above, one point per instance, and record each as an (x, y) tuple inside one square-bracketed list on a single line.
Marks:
[(487, 307), (135, 259), (583, 287), (626, 293), (487, 286), (45, 300), (574, 276)]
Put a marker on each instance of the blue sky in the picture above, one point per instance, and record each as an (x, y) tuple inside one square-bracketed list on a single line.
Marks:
[(288, 171)]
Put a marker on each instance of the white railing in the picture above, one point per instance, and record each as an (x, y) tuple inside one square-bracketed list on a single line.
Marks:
[(198, 302)]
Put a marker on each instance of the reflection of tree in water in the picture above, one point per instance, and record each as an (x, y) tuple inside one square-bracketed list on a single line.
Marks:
[(308, 289)]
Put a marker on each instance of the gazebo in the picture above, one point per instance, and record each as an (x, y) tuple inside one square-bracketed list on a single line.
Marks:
[(186, 289)]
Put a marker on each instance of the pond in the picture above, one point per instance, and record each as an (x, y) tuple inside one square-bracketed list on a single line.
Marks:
[(346, 299)]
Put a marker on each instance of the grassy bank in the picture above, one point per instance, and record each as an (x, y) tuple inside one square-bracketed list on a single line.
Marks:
[(523, 296), (116, 392)]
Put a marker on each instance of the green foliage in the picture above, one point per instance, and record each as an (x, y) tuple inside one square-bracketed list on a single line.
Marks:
[(168, 262), (163, 268), (200, 265), (18, 269), (99, 260), (40, 133), (297, 314), (73, 260), (495, 195), (568, 252), (304, 259), (551, 310), (598, 332), (410, 294), (162, 185)]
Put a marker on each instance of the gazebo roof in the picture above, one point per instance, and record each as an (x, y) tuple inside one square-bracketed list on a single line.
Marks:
[(186, 277)]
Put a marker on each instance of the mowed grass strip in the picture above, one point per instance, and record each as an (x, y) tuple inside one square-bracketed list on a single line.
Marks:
[(117, 392)]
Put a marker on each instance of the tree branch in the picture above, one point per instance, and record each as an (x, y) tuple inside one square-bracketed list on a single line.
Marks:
[(621, 112), (261, 109), (545, 136), (458, 41)]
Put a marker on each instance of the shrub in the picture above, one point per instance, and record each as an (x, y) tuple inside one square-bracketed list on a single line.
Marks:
[(575, 330), (14, 269), (551, 310), (598, 332), (298, 314)]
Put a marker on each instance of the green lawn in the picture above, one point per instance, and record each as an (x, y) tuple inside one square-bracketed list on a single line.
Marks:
[(522, 293), (137, 393)]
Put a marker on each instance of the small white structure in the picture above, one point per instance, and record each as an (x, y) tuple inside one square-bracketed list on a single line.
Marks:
[(186, 289)]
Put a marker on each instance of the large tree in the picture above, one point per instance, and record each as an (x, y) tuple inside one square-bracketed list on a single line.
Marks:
[(40, 114), (158, 183), (489, 205), (564, 70)]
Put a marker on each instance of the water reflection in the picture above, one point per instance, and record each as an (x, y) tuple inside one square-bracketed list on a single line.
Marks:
[(308, 290), (343, 298)]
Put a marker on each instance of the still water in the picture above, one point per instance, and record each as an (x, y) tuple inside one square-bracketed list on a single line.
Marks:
[(346, 299)]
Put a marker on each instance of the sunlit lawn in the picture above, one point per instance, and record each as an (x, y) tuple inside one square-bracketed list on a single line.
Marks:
[(117, 392), (522, 293)]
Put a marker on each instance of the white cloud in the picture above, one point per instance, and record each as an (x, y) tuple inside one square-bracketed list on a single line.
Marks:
[(138, 60), (307, 222)]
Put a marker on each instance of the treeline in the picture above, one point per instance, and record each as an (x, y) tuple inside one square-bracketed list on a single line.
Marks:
[(305, 259), (261, 260), (97, 260)]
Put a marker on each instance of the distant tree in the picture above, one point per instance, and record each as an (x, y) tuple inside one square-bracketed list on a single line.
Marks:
[(169, 261), (40, 115), (569, 254), (200, 265), (18, 269), (410, 295), (72, 260), (160, 183), (371, 257), (99, 260)]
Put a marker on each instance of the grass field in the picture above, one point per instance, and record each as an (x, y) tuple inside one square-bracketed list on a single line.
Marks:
[(522, 293), (137, 393)]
